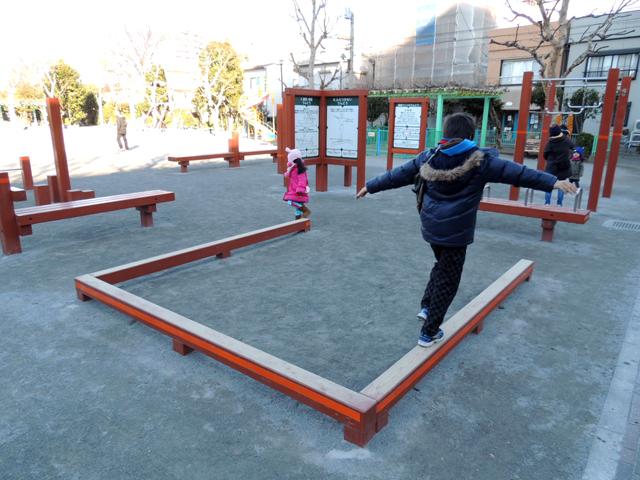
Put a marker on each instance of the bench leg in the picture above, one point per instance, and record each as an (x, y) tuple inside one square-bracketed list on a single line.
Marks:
[(223, 254), (478, 328), (81, 296), (9, 231), (547, 230), (184, 167), (181, 348), (146, 215)]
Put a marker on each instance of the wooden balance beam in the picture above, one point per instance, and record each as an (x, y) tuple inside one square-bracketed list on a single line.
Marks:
[(549, 214), (18, 222), (362, 413)]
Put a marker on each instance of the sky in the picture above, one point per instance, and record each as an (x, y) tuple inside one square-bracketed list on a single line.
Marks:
[(84, 33)]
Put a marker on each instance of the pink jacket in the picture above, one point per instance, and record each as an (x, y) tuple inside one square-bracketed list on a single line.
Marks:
[(297, 190)]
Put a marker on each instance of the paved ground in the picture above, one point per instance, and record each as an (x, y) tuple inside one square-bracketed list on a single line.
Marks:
[(549, 390)]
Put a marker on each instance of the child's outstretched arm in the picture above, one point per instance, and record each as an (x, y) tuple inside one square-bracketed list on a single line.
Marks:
[(504, 171), (400, 176)]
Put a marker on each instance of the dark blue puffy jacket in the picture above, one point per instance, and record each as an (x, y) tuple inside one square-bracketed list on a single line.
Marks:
[(455, 178)]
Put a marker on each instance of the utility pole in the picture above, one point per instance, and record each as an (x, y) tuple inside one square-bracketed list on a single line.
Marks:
[(349, 15)]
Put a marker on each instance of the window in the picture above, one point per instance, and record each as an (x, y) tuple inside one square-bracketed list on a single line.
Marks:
[(599, 66), (255, 83), (511, 71)]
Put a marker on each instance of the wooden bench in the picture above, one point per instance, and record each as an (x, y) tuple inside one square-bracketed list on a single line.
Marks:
[(18, 222), (550, 214), (232, 157)]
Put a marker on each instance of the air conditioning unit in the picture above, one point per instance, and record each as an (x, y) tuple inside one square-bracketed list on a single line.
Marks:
[(634, 138)]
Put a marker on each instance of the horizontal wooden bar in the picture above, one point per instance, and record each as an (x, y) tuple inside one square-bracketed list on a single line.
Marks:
[(346, 162), (324, 395), (545, 212), (207, 156), (395, 382), (199, 252), (78, 208)]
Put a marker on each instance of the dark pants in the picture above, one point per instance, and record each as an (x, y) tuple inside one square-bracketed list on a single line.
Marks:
[(443, 285)]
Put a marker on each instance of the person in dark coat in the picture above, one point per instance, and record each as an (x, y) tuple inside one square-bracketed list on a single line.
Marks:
[(557, 154), (455, 175)]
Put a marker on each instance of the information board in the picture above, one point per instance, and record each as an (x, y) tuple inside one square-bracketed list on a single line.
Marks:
[(307, 122), (342, 127), (406, 133)]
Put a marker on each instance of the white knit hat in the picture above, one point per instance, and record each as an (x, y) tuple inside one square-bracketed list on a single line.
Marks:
[(293, 153)]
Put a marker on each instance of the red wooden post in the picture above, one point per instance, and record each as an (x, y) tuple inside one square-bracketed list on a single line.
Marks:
[(184, 167), (603, 139), (347, 176), (9, 232), (391, 133), (54, 189), (280, 125), (478, 328), (322, 168), (621, 111), (181, 348), (59, 152), (362, 142), (234, 148), (546, 122), (360, 433), (27, 177), (547, 230), (523, 124), (41, 194), (146, 215)]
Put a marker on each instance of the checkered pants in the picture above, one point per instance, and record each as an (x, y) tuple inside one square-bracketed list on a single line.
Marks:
[(443, 285)]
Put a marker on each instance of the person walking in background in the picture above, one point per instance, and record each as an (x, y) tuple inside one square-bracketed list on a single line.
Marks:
[(557, 153), (121, 129), (297, 193), (577, 166)]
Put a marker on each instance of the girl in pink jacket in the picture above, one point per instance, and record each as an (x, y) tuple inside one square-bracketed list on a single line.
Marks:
[(297, 193)]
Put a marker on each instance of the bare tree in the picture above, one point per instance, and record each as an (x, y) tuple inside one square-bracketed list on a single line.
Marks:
[(554, 33), (314, 29)]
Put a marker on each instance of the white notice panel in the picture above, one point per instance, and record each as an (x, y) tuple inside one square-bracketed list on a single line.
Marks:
[(406, 128), (342, 127), (307, 122)]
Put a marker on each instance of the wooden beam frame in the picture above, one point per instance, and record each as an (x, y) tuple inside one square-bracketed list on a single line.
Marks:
[(422, 138), (363, 413)]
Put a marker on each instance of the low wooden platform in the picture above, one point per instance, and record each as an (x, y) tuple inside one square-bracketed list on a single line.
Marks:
[(363, 413)]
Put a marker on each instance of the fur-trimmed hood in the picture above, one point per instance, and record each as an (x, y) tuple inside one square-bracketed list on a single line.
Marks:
[(436, 175)]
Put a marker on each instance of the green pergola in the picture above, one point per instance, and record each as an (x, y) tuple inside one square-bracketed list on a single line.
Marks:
[(447, 93)]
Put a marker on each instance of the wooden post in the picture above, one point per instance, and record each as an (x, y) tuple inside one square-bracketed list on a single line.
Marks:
[(9, 231), (322, 168), (546, 122), (347, 176), (523, 124), (27, 177), (59, 152), (547, 230), (146, 215), (184, 167), (603, 139), (281, 159), (621, 111), (54, 189), (362, 142), (360, 433), (41, 194), (234, 148), (181, 348), (390, 134)]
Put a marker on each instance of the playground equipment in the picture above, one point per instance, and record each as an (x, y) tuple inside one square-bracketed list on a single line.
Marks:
[(407, 126), (363, 413), (549, 214), (56, 200), (607, 105), (233, 156), (329, 127)]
